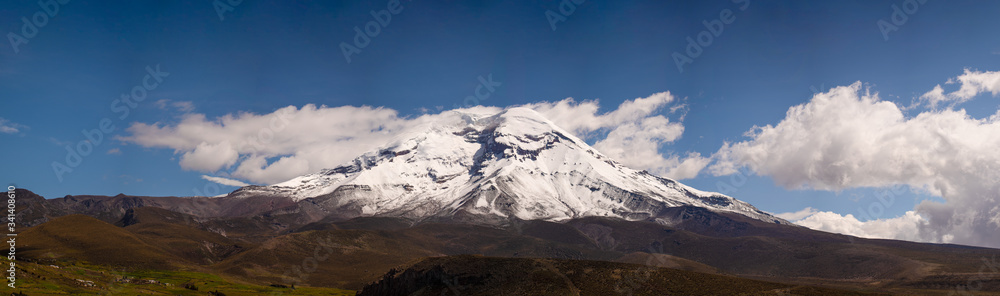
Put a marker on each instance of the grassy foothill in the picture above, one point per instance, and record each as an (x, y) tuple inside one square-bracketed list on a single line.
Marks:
[(66, 278)]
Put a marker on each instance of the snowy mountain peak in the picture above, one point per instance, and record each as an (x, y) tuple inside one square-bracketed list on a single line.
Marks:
[(491, 167)]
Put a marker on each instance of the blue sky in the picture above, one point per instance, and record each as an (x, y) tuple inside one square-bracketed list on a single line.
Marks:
[(265, 55)]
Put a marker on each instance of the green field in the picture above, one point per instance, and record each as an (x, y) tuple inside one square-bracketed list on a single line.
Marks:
[(84, 279)]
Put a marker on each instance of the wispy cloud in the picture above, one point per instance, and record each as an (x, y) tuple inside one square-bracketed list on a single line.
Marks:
[(126, 179), (114, 151), (58, 142), (972, 84), (799, 215), (8, 127), (225, 181), (182, 106)]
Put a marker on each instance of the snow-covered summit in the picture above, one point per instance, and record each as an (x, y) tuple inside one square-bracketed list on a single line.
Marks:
[(515, 163)]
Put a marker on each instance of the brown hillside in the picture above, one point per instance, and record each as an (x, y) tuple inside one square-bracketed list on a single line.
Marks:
[(79, 237)]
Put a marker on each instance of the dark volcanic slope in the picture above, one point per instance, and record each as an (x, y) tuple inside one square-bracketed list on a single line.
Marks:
[(476, 275), (379, 245), (350, 258), (33, 209), (265, 245)]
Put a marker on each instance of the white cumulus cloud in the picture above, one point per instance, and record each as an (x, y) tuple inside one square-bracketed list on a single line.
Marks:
[(849, 138), (209, 157), (635, 132), (289, 142), (297, 140), (905, 227)]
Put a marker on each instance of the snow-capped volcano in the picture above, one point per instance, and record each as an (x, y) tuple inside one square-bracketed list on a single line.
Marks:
[(514, 164)]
